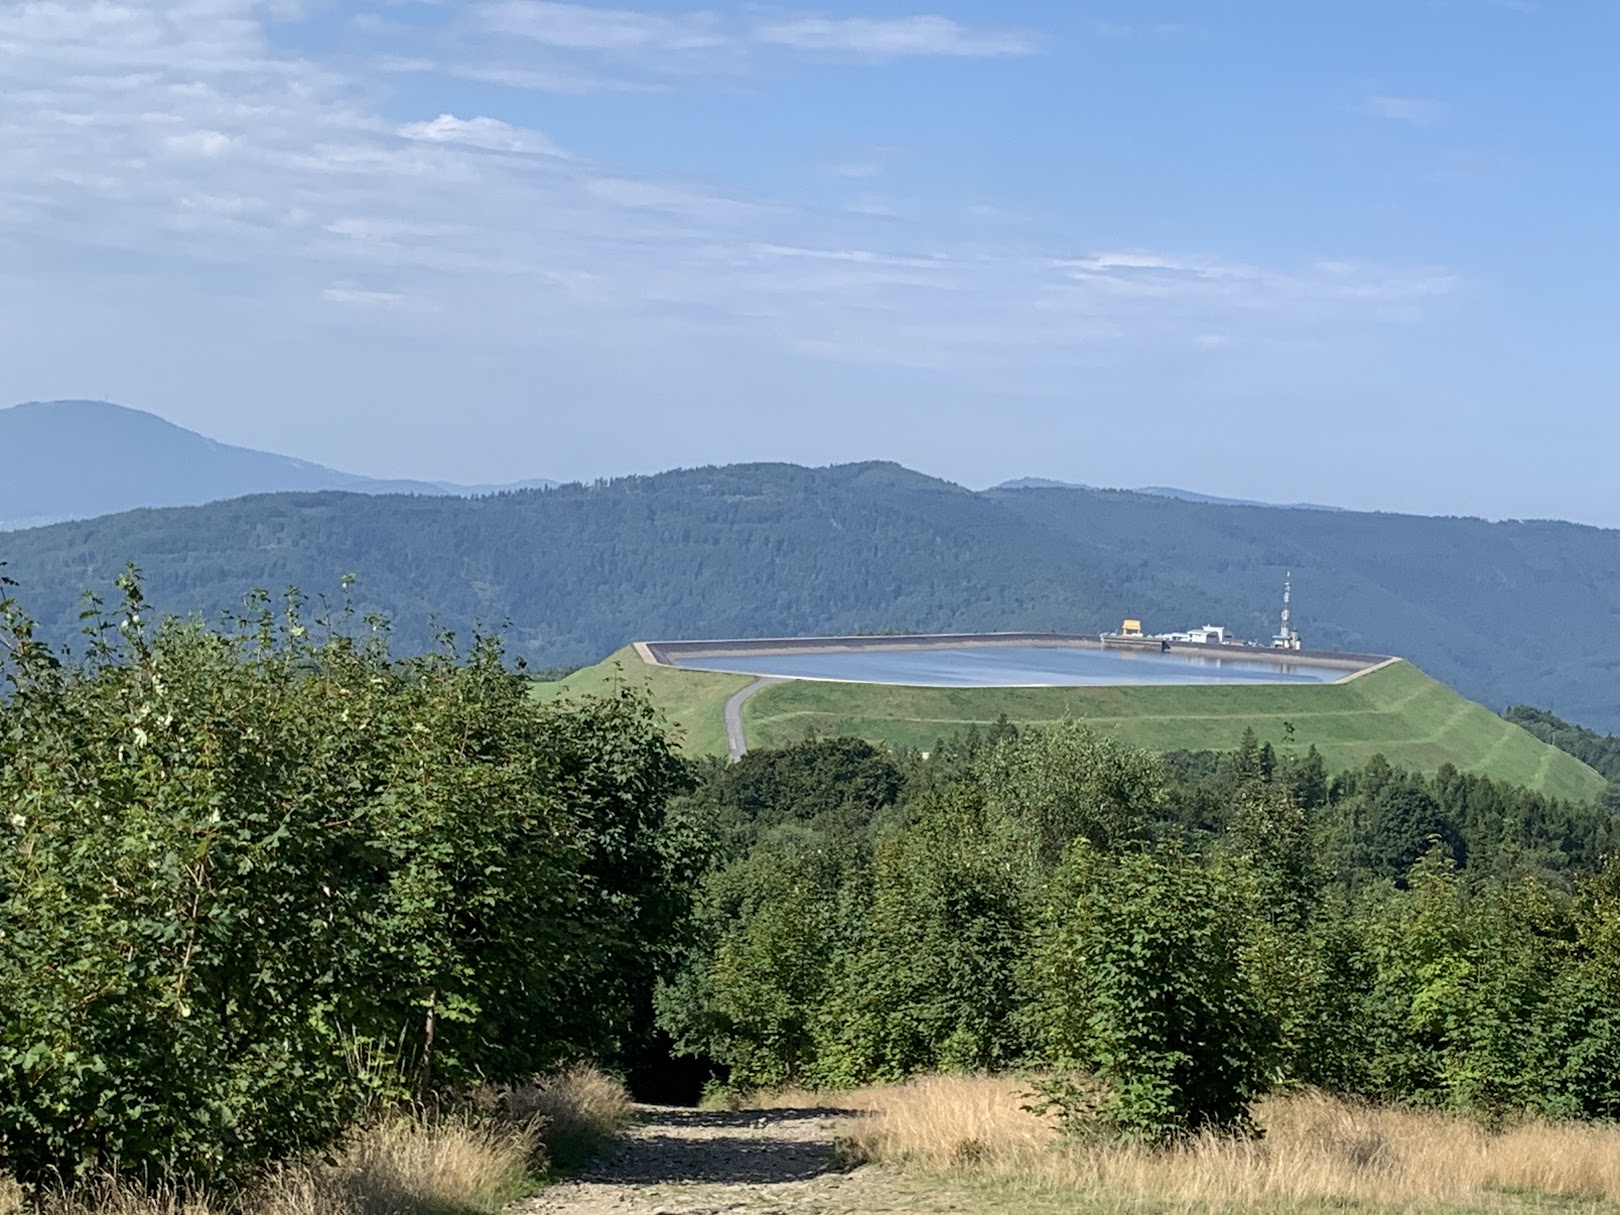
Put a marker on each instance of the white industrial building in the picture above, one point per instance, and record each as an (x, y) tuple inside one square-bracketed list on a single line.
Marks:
[(1210, 634)]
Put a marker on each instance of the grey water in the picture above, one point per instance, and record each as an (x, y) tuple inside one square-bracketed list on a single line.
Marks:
[(994, 666)]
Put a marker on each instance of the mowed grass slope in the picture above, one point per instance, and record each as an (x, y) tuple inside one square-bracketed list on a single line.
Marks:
[(1398, 711), (692, 702)]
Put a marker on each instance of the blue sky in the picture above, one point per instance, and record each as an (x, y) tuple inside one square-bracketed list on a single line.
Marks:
[(1356, 252)]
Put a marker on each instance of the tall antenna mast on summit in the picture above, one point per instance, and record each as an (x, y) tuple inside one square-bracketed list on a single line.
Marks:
[(1286, 638)]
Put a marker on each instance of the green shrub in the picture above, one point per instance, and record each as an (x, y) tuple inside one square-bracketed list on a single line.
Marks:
[(928, 981), (1139, 982), (1067, 783), (249, 880)]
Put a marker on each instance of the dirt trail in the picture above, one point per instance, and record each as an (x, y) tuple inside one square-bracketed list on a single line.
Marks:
[(709, 1162), (736, 739)]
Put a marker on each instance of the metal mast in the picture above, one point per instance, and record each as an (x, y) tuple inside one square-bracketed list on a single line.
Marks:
[(1286, 638)]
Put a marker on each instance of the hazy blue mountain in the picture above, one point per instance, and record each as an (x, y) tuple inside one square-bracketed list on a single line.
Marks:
[(1162, 491), (1507, 613), (1187, 495), (79, 459)]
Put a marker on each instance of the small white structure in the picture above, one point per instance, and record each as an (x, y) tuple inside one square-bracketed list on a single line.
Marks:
[(1210, 634)]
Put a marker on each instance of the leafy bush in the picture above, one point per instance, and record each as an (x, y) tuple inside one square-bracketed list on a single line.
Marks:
[(929, 978), (1498, 998), (1067, 783), (1140, 983), (253, 878)]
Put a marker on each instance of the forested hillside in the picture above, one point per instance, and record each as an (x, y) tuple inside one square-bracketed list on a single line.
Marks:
[(1598, 751), (1507, 612)]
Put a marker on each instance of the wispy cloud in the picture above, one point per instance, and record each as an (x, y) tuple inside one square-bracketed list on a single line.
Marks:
[(580, 27), (1420, 111), (176, 135), (490, 134), (635, 33), (882, 38), (352, 296)]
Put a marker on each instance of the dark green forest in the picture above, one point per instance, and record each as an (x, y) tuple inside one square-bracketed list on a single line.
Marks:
[(1516, 612)]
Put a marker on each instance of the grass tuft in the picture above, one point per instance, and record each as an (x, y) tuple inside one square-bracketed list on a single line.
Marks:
[(575, 1111)]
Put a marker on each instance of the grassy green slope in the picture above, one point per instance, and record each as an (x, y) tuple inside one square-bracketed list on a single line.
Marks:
[(693, 702), (1414, 721)]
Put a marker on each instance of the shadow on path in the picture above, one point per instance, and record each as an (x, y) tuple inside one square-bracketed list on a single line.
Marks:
[(726, 1147)]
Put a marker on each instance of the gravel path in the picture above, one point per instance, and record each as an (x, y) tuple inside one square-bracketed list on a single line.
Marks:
[(707, 1162), (736, 740)]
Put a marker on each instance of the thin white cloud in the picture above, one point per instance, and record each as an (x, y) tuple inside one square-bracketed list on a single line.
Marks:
[(1420, 111), (883, 38), (1113, 263), (199, 143), (386, 231), (490, 134), (543, 80), (632, 32), (671, 197), (871, 204), (352, 296), (173, 132), (579, 27)]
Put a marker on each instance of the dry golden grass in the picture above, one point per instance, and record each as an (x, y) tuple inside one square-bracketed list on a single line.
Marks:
[(1317, 1152), (402, 1166), (473, 1163), (575, 1111), (450, 1164)]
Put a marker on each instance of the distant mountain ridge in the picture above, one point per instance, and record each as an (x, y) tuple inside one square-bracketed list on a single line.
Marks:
[(1519, 612), (81, 459), (1163, 491)]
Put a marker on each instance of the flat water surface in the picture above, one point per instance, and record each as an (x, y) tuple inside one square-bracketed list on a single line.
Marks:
[(1001, 666)]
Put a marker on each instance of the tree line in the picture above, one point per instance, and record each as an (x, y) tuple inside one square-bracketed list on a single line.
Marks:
[(1600, 751), (1169, 937)]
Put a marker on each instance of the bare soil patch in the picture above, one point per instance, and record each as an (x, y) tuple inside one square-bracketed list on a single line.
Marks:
[(707, 1162)]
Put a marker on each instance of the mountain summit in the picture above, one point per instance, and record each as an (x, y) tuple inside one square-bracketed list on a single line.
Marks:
[(79, 459)]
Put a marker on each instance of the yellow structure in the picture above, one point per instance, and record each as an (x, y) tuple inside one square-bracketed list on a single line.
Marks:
[(1131, 628)]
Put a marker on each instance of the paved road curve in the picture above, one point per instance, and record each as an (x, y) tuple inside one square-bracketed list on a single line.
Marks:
[(735, 739)]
